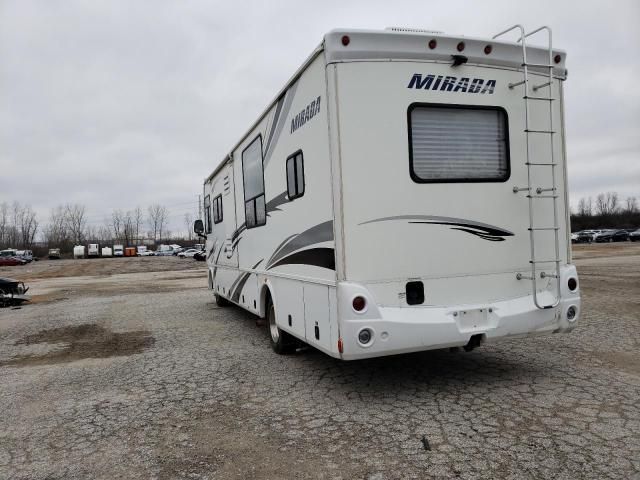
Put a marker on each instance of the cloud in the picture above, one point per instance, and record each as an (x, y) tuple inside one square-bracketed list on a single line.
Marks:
[(118, 104)]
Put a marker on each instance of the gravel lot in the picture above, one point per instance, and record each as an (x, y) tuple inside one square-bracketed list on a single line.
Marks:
[(127, 369)]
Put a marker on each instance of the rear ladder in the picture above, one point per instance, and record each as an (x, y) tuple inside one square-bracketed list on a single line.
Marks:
[(540, 193)]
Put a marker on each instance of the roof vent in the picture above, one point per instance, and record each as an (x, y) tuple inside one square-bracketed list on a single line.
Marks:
[(413, 30)]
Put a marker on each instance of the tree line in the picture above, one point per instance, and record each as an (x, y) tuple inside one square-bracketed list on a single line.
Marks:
[(18, 225), (608, 210), (68, 226)]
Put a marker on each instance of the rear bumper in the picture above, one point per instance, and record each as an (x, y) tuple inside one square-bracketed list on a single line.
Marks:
[(398, 330)]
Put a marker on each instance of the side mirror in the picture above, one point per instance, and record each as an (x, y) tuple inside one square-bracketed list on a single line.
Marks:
[(198, 228)]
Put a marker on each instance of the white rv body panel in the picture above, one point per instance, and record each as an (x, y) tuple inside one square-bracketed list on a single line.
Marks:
[(364, 224)]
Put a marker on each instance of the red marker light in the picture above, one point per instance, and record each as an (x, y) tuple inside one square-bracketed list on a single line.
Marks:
[(359, 303), (557, 58), (460, 46), (345, 40), (433, 44), (488, 49), (340, 346)]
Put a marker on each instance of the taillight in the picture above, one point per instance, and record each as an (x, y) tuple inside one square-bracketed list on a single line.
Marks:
[(572, 283), (359, 303), (557, 58)]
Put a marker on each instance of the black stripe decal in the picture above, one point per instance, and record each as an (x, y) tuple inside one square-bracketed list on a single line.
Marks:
[(238, 285), (320, 257), (322, 232), (482, 230)]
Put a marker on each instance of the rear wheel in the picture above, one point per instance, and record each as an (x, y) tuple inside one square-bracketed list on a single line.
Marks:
[(281, 341)]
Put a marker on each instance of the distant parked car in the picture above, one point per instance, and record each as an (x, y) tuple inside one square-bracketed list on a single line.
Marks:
[(9, 252), (188, 253), (54, 253), (25, 255), (613, 236), (146, 253), (6, 261), (635, 236), (201, 256), (164, 253), (582, 237)]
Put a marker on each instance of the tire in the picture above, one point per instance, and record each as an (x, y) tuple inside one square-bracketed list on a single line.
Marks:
[(281, 342), (221, 301)]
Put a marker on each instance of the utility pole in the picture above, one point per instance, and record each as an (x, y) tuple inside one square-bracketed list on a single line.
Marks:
[(200, 206)]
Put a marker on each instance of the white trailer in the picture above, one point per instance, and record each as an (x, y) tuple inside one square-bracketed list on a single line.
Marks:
[(405, 191), (78, 251), (93, 250)]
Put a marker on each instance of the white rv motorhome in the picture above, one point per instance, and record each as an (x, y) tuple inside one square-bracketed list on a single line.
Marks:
[(404, 191)]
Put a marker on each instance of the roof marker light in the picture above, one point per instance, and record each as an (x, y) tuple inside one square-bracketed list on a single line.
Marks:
[(432, 43), (460, 46), (345, 40), (488, 49), (557, 58)]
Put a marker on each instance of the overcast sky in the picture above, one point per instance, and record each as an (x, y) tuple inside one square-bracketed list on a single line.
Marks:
[(115, 104)]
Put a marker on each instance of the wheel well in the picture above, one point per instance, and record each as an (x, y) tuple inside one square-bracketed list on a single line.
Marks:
[(265, 294)]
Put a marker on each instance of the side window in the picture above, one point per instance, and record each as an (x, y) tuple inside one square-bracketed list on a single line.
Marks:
[(207, 214), (217, 209), (253, 181), (295, 175)]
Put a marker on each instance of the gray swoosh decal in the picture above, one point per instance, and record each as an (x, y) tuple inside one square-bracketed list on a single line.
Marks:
[(239, 283), (317, 234), (288, 100), (482, 230), (275, 202)]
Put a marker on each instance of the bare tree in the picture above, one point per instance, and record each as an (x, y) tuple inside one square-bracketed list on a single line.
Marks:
[(585, 207), (138, 220), (56, 232), (76, 222), (128, 228), (607, 203), (157, 220), (28, 226), (4, 224), (188, 221), (117, 224), (631, 205)]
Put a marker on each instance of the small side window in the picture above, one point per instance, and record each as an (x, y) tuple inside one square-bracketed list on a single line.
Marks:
[(217, 209), (207, 214), (295, 175)]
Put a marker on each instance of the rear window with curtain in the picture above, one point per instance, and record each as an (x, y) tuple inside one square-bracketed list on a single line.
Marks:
[(450, 143)]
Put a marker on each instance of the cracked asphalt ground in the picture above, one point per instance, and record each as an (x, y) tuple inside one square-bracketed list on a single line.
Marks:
[(140, 375)]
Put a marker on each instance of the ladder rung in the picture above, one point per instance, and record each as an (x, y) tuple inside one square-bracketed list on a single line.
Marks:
[(540, 131), (545, 261), (549, 189), (540, 65), (529, 97), (547, 164), (543, 228), (542, 196), (511, 85)]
